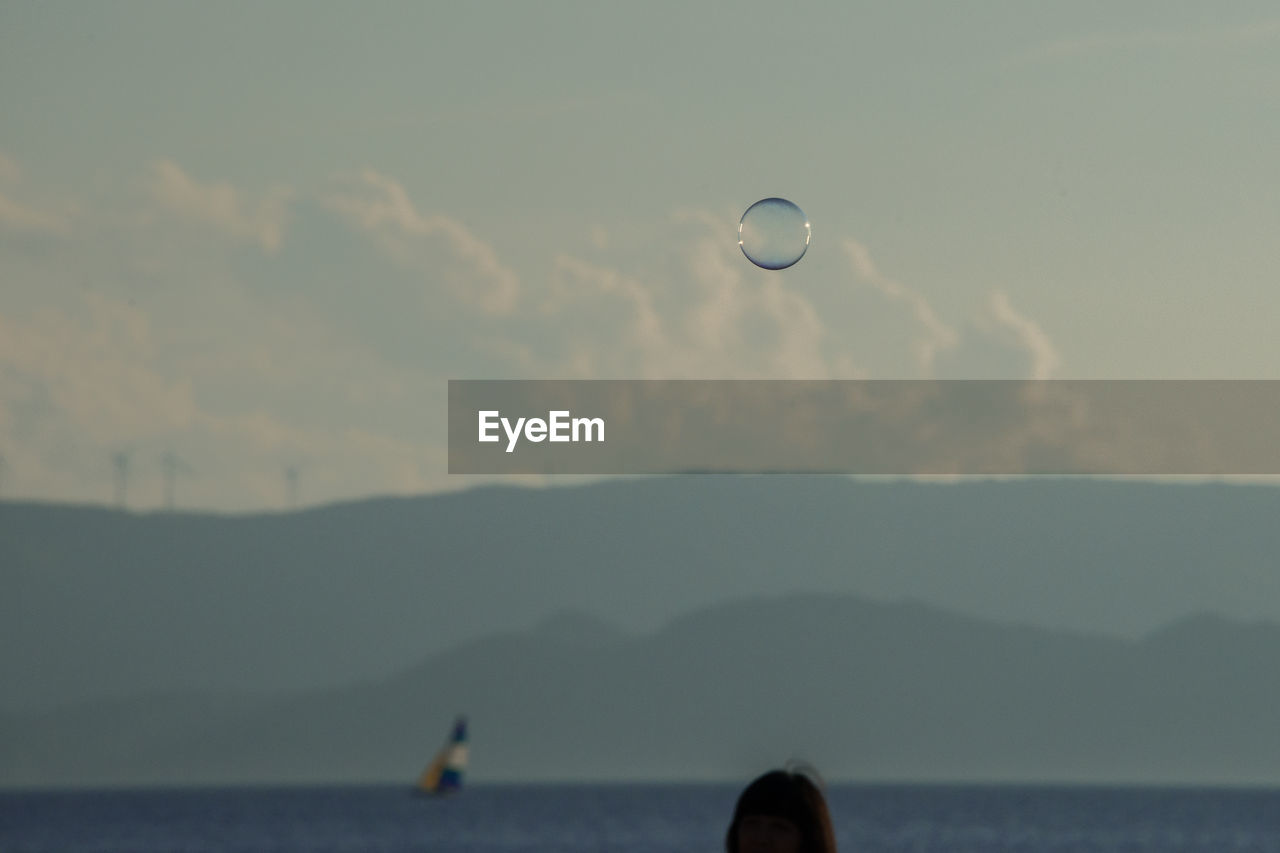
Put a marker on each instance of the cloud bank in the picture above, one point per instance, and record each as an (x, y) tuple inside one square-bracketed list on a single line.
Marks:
[(255, 329)]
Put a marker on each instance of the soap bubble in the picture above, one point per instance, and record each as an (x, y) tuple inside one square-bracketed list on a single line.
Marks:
[(773, 233)]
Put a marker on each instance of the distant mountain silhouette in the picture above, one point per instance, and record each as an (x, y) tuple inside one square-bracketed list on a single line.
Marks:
[(101, 603), (884, 691)]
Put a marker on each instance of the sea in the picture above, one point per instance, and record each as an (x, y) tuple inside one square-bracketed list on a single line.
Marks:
[(630, 819)]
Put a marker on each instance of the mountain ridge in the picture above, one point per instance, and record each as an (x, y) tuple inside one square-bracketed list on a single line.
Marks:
[(113, 603), (867, 690)]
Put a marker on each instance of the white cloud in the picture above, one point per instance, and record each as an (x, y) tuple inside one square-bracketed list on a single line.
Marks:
[(934, 335), (1001, 343), (380, 207), (76, 387), (21, 216), (150, 334), (599, 237), (751, 324), (1029, 335), (95, 368), (713, 316), (239, 383), (636, 340), (222, 206)]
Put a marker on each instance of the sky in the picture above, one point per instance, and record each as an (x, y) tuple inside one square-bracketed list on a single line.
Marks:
[(263, 237)]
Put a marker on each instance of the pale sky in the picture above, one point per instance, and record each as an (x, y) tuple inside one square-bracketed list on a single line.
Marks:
[(263, 236)]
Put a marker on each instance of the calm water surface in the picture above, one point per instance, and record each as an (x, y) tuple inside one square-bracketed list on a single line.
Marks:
[(631, 819)]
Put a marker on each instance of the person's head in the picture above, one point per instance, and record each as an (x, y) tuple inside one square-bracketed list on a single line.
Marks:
[(781, 812)]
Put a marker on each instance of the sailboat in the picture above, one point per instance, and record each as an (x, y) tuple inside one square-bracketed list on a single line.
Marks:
[(444, 774)]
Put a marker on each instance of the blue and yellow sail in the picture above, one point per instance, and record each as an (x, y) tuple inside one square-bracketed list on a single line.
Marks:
[(444, 774)]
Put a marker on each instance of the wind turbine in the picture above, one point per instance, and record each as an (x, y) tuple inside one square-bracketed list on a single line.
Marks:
[(172, 465), (121, 462), (291, 483)]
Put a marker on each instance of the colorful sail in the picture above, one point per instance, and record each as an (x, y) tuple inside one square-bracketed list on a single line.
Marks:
[(444, 774)]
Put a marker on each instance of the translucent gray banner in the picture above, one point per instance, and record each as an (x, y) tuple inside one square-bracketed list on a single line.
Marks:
[(1065, 427)]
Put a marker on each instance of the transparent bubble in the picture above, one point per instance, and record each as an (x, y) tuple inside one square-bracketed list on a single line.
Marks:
[(773, 233)]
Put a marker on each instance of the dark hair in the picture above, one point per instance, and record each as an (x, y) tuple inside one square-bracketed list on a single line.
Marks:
[(792, 794)]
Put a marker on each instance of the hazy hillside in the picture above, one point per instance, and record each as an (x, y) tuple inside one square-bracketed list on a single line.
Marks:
[(865, 690), (99, 602)]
